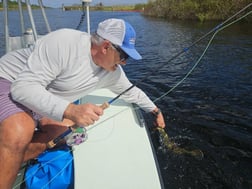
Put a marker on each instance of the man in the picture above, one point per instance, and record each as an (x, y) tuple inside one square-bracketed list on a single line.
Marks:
[(61, 67)]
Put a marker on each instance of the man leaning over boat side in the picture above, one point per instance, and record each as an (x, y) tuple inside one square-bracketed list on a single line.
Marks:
[(44, 80)]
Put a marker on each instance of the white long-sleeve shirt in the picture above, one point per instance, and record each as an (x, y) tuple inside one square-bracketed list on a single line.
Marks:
[(59, 70)]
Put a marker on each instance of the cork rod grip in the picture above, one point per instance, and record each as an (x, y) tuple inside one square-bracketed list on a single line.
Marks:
[(53, 142), (105, 105)]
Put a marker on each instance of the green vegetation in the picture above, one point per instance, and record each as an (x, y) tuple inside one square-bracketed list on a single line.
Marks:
[(13, 5), (138, 7), (101, 7), (194, 9), (202, 10)]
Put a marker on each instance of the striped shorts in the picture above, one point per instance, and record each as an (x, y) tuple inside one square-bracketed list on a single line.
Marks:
[(8, 107)]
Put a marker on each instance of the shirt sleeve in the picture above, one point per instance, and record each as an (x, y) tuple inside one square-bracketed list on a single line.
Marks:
[(30, 87), (134, 95)]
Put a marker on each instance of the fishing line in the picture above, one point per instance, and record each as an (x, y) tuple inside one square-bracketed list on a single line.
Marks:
[(70, 150), (54, 177), (46, 163), (218, 27), (105, 120), (201, 56), (214, 31), (163, 136), (105, 105)]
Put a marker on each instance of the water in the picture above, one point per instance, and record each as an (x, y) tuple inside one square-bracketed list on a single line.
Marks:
[(211, 110)]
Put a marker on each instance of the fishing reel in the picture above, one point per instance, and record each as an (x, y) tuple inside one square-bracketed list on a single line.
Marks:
[(76, 137)]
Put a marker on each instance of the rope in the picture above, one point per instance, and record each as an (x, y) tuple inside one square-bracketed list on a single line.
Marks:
[(82, 16)]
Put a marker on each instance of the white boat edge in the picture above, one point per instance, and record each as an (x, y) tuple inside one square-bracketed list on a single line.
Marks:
[(118, 152)]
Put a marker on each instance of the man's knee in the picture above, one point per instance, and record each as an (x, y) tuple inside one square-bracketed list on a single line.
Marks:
[(16, 132)]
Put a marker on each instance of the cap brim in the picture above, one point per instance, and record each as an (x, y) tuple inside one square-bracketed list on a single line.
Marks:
[(132, 53)]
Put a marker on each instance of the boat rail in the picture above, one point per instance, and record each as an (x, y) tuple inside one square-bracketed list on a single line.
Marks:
[(27, 36)]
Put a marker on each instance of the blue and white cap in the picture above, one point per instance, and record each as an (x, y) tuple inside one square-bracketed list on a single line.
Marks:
[(120, 33)]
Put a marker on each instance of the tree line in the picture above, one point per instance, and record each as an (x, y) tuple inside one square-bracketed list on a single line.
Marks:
[(13, 5), (195, 9)]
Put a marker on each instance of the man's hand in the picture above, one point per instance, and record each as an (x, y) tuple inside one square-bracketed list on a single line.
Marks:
[(83, 114), (159, 122)]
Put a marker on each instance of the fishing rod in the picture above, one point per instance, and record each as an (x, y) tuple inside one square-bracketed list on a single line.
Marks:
[(80, 130), (216, 28)]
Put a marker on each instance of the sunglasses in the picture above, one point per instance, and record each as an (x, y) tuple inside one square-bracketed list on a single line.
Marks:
[(123, 55)]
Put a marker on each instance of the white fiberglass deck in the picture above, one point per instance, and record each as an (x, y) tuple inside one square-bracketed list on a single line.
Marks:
[(117, 153)]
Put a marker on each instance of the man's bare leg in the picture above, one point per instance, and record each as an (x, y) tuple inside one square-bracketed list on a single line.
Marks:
[(16, 132), (17, 143)]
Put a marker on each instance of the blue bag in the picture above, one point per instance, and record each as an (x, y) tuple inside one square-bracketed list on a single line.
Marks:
[(54, 170)]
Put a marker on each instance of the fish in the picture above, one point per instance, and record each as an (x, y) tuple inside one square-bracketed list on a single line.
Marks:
[(170, 145)]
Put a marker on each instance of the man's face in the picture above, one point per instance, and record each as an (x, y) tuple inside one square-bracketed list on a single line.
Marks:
[(113, 56)]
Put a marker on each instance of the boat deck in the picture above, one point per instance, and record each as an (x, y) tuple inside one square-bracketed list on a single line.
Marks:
[(118, 152)]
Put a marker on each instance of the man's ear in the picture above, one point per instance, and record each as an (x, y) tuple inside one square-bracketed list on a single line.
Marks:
[(105, 46)]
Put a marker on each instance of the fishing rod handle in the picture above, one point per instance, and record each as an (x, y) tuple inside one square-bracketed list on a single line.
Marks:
[(55, 141), (105, 105)]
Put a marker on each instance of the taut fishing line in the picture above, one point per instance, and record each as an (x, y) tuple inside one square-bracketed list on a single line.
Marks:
[(200, 58), (218, 27), (214, 30), (166, 141)]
